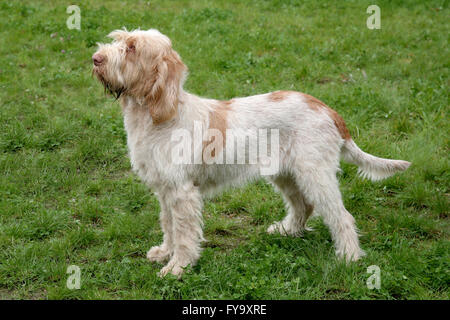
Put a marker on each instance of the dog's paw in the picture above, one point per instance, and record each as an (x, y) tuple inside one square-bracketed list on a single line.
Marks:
[(158, 254), (350, 254), (274, 228), (176, 270), (278, 227)]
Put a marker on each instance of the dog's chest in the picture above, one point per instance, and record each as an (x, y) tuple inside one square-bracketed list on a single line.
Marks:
[(146, 146)]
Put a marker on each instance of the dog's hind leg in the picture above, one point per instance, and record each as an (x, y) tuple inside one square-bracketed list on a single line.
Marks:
[(321, 189), (299, 211)]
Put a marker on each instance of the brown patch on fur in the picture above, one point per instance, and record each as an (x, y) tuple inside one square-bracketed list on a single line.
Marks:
[(279, 95), (339, 123), (313, 103), (227, 102), (164, 100), (218, 118), (131, 44), (316, 105), (162, 87), (218, 121)]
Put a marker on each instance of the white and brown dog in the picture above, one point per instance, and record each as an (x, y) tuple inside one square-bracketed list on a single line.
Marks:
[(142, 69)]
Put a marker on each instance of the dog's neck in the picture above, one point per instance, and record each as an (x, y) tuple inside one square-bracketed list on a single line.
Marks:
[(136, 112)]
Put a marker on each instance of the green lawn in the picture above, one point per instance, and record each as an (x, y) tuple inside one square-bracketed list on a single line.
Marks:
[(68, 197)]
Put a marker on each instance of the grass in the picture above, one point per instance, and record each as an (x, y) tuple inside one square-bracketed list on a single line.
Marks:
[(68, 196)]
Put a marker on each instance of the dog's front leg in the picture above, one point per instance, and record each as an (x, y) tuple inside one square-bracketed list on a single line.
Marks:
[(163, 252), (185, 205)]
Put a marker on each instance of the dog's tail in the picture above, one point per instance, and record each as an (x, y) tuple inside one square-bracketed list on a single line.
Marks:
[(371, 167)]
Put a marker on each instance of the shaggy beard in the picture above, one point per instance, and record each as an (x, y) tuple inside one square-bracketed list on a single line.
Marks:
[(115, 92)]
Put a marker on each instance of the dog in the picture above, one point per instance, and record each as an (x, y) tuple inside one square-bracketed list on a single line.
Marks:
[(142, 70)]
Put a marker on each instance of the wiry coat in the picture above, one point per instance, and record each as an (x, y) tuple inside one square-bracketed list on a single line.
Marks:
[(142, 69)]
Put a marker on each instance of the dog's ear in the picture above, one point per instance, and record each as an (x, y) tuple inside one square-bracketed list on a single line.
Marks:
[(164, 94), (118, 35)]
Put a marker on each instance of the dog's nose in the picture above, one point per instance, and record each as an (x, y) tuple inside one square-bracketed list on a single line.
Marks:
[(98, 59)]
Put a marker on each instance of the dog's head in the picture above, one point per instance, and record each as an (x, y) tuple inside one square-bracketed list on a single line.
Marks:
[(142, 64)]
